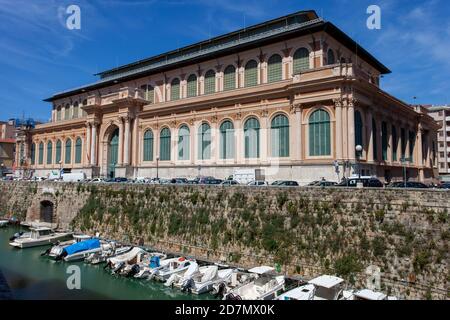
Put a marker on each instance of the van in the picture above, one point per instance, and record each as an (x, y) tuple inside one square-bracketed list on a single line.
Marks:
[(73, 177)]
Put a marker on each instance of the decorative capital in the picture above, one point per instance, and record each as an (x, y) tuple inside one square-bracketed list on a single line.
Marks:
[(264, 113), (352, 102), (214, 119), (338, 102), (295, 108), (237, 116)]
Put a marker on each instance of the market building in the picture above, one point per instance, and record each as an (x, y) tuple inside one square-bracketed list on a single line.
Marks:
[(292, 96)]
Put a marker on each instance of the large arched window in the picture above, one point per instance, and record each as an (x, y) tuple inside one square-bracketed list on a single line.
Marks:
[(67, 112), (375, 140), (275, 69), (204, 142), (76, 110), (175, 89), (229, 78), (192, 86), (164, 145), (319, 133), (210, 82), (251, 136), (58, 152), (226, 140), (384, 141), (49, 152), (58, 113), (330, 57), (394, 143), (251, 73), (301, 60), (280, 136), (148, 145), (149, 93), (68, 156), (78, 148), (33, 154), (184, 144), (412, 144), (358, 129), (41, 153)]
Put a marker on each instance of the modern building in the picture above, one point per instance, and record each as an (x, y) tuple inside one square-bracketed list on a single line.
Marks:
[(292, 96), (7, 147), (441, 115)]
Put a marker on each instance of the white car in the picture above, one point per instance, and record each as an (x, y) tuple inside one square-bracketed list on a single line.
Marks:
[(258, 183), (97, 180)]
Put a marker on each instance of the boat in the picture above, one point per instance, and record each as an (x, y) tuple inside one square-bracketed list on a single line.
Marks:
[(367, 294), (204, 279), (80, 250), (39, 237), (102, 256), (157, 261), (57, 249), (180, 279), (265, 287), (238, 278), (4, 223), (324, 287), (142, 261), (305, 292), (126, 260), (176, 265)]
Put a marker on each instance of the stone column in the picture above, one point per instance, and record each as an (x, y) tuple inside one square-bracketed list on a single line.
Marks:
[(94, 144), (238, 138), (195, 133), (297, 139), (338, 133), (379, 139), (88, 144), (135, 144), (126, 151), (369, 136), (351, 131), (120, 157), (390, 142), (264, 136)]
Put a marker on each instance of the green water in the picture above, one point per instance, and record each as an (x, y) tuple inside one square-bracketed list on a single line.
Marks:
[(31, 276)]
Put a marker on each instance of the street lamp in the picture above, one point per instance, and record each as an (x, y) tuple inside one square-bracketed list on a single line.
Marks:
[(359, 150), (1, 172), (404, 160), (60, 169), (157, 168)]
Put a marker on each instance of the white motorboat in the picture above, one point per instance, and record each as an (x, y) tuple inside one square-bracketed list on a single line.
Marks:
[(102, 256), (367, 294), (180, 279), (265, 287), (305, 292), (126, 260), (142, 261), (85, 248), (204, 280), (57, 249), (3, 223), (328, 288), (155, 262), (237, 279), (39, 237), (175, 266)]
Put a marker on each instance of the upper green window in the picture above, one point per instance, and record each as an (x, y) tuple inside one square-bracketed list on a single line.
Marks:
[(78, 147), (164, 145), (301, 60), (251, 73), (41, 153), (67, 112), (58, 113), (192, 86), (251, 136), (204, 142), (184, 143), (175, 89), (33, 154), (149, 93), (68, 158), (275, 68), (76, 110), (280, 136), (58, 151), (148, 145), (49, 152), (330, 57), (210, 82), (229, 78), (227, 140), (319, 133)]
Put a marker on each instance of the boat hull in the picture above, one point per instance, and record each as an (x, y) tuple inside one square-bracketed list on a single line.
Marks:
[(25, 243)]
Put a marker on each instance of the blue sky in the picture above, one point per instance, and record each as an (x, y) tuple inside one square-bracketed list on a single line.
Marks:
[(39, 56)]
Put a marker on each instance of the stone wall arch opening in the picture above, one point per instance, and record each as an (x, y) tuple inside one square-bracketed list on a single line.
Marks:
[(46, 211)]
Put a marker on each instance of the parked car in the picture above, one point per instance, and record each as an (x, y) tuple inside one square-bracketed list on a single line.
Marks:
[(445, 185), (258, 183), (120, 180), (368, 182), (230, 183), (285, 183), (208, 180), (214, 181), (409, 184), (179, 180), (97, 180), (322, 183)]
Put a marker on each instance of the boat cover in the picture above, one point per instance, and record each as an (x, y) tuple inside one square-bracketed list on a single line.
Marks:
[(82, 246), (154, 262), (126, 257)]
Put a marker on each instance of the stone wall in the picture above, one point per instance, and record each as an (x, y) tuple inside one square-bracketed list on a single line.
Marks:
[(308, 231)]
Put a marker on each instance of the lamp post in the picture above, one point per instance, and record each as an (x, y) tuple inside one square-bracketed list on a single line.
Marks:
[(359, 150), (60, 169), (404, 160), (157, 168), (3, 168)]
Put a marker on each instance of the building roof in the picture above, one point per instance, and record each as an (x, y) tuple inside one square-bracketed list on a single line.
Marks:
[(326, 281), (283, 28), (7, 140), (370, 295), (432, 108)]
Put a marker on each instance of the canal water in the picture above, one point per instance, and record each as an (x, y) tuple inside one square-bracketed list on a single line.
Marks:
[(31, 276)]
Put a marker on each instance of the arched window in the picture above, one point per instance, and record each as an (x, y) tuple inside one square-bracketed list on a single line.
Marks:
[(301, 60), (403, 142), (330, 57), (394, 143), (164, 145), (204, 142), (384, 141), (319, 133), (68, 157), (210, 82), (58, 152), (149, 93), (192, 86), (175, 89), (148, 145), (184, 144), (229, 78), (251, 73), (78, 147), (274, 69), (49, 152), (412, 144), (67, 112), (21, 152), (41, 153), (280, 136), (58, 113), (358, 129), (251, 136), (375, 140), (76, 109), (226, 140), (84, 111), (33, 154)]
